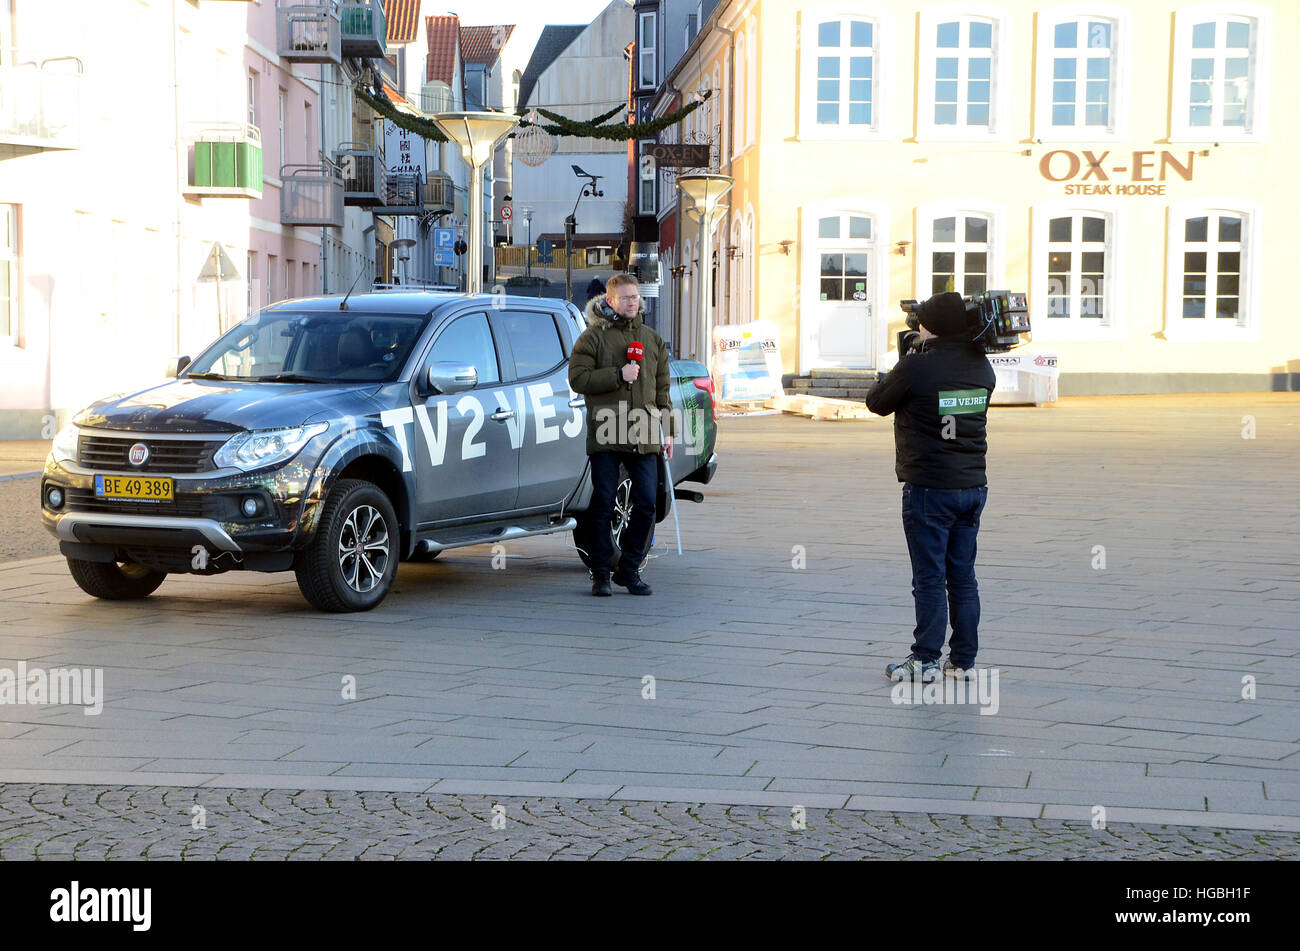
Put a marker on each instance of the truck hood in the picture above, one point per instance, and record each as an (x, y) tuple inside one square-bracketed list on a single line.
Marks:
[(219, 406)]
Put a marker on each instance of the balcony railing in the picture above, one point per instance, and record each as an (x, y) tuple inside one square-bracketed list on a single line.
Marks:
[(403, 195), (310, 32), (364, 174), (312, 195), (364, 31), (439, 194), (40, 100), (225, 161)]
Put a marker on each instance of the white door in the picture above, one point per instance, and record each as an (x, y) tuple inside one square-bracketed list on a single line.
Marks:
[(839, 326)]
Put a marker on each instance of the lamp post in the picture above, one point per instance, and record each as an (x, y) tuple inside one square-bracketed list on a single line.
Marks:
[(477, 134), (706, 192), (571, 224), (528, 256)]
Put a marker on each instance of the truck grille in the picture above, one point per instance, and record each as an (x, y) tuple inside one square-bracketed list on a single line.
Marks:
[(184, 505), (165, 455)]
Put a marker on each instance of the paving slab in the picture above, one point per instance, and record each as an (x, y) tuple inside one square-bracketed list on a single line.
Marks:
[(1121, 685)]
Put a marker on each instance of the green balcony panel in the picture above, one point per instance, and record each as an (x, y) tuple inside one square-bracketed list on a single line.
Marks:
[(358, 21)]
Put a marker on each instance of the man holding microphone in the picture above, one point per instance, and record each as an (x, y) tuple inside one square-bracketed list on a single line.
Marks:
[(621, 366)]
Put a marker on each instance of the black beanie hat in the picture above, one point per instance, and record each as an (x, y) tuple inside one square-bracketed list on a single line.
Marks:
[(944, 315)]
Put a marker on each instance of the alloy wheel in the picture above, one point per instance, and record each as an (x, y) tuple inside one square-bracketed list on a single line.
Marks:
[(363, 549)]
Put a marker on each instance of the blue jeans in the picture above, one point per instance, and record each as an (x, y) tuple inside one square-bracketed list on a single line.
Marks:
[(941, 526), (643, 470)]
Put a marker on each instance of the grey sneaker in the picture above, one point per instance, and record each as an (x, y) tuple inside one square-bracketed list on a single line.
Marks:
[(914, 669), (961, 673)]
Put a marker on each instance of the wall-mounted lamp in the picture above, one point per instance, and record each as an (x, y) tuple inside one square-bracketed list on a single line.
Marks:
[(902, 247), (1203, 153), (734, 252), (785, 246), (677, 270)]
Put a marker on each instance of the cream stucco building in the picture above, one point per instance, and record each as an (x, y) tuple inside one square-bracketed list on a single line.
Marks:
[(1125, 163)]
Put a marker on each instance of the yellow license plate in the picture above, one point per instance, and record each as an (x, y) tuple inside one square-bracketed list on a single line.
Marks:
[(147, 489)]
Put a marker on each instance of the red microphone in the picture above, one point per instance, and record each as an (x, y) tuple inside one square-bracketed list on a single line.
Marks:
[(635, 351)]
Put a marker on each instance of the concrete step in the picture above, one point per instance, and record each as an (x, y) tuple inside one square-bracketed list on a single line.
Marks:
[(858, 393), (818, 386), (843, 372)]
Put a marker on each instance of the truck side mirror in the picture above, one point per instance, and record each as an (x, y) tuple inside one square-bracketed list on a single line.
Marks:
[(176, 364), (449, 378)]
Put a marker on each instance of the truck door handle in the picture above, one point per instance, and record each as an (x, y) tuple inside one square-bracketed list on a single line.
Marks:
[(502, 415), (578, 401)]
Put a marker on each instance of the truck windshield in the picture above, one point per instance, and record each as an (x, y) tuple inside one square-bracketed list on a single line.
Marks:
[(287, 347)]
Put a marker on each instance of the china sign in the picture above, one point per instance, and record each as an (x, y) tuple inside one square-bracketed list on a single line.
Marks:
[(403, 152)]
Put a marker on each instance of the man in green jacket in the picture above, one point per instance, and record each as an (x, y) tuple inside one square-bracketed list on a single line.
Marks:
[(629, 422)]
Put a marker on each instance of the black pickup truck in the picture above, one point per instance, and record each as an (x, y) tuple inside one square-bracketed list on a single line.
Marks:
[(335, 437)]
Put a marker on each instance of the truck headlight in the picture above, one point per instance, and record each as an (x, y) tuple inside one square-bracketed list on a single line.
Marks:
[(64, 447), (253, 450)]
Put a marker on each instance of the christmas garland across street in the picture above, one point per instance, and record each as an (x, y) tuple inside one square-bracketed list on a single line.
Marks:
[(560, 125)]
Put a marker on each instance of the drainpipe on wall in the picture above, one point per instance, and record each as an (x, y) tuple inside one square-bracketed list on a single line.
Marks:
[(724, 272)]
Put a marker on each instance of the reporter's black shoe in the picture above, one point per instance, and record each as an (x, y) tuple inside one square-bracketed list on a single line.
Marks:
[(600, 584), (632, 581)]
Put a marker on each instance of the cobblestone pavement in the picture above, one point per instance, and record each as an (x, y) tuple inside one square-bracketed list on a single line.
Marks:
[(138, 822)]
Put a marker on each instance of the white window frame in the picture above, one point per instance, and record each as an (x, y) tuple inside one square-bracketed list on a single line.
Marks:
[(642, 180), (643, 52), (1121, 21), (253, 95), (751, 82), (748, 269), (1000, 119), (1256, 127), (11, 260), (955, 207), (1210, 328), (741, 103), (881, 34), (1111, 326), (282, 104)]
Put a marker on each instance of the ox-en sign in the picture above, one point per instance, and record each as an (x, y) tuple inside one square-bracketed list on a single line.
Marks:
[(1062, 165)]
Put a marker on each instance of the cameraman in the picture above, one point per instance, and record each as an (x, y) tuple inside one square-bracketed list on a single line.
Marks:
[(939, 394)]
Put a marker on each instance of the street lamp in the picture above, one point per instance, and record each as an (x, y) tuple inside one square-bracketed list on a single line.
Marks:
[(706, 191), (571, 224), (477, 134), (402, 251), (528, 256)]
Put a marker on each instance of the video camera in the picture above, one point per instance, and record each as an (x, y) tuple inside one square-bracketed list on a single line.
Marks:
[(995, 320)]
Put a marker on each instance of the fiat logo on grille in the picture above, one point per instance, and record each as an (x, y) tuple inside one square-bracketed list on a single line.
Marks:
[(138, 455)]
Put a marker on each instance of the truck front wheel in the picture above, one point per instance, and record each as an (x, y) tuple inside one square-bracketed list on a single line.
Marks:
[(351, 562), (115, 582)]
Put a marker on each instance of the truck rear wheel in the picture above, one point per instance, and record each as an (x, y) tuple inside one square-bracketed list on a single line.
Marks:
[(351, 562), (585, 531), (115, 582)]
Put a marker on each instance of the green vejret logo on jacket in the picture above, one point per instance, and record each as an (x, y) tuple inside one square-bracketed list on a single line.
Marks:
[(956, 402)]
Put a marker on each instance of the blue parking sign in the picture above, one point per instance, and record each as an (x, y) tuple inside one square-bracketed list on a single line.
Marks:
[(444, 259), (444, 238)]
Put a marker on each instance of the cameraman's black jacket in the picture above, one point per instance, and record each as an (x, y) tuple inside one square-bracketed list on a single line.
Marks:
[(958, 373)]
